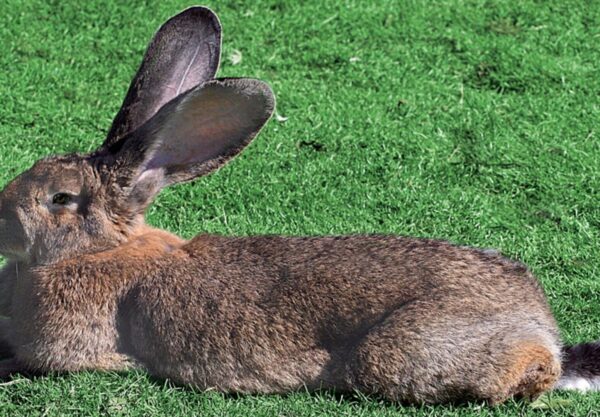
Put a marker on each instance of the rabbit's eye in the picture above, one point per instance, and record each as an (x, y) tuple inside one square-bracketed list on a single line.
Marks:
[(61, 199)]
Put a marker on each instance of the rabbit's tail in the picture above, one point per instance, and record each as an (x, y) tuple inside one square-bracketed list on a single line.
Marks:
[(581, 367)]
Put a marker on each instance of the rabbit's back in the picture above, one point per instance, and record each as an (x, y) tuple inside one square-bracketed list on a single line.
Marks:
[(353, 277)]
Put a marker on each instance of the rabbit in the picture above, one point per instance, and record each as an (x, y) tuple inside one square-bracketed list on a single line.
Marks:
[(89, 286)]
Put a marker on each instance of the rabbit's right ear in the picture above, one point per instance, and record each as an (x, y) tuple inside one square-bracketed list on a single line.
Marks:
[(192, 135), (183, 53)]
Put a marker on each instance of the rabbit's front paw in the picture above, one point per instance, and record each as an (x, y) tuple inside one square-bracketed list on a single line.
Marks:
[(6, 349), (10, 367)]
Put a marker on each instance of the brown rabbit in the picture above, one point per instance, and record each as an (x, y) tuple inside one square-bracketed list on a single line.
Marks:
[(89, 286)]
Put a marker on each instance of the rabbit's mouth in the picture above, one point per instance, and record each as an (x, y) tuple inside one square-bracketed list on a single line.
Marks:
[(12, 253), (11, 246)]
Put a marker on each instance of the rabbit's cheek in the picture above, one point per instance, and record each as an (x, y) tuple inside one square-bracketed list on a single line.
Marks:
[(63, 214)]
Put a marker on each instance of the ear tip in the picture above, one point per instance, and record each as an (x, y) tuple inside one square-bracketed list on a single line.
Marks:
[(194, 15), (263, 89), (201, 12), (256, 88)]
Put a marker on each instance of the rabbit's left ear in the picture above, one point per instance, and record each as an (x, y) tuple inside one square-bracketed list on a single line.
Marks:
[(183, 53)]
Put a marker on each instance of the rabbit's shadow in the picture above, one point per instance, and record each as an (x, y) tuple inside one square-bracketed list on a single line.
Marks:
[(351, 399), (355, 401), (346, 399)]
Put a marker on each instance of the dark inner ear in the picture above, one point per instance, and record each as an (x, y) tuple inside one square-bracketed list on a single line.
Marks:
[(182, 54)]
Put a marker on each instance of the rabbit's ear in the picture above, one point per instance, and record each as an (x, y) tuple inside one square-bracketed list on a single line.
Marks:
[(183, 53), (190, 136)]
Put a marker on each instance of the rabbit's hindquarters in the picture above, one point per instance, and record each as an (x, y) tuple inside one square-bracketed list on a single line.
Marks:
[(426, 353)]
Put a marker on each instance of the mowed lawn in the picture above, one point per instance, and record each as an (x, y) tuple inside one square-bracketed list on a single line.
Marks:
[(471, 121)]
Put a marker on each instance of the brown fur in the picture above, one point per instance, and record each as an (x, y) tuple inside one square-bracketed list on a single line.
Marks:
[(89, 286), (412, 320), (537, 368)]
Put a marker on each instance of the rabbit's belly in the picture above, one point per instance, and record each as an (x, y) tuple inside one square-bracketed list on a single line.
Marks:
[(259, 372), (232, 357)]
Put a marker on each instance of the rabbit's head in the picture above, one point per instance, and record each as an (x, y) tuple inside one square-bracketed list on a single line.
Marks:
[(176, 124)]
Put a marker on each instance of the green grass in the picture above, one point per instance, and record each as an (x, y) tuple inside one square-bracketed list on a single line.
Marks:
[(472, 121)]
